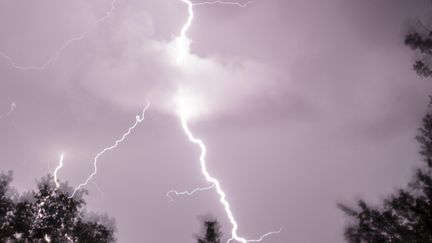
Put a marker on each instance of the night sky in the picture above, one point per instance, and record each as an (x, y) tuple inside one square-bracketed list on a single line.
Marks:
[(302, 104)]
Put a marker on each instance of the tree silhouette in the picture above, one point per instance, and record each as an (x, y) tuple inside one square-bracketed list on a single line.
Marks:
[(405, 216), (49, 214), (421, 42), (211, 232)]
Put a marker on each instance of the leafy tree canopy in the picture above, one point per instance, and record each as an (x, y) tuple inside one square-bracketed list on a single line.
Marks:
[(405, 216), (49, 214), (421, 42)]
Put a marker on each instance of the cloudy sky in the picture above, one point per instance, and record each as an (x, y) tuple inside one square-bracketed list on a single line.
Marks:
[(302, 104)]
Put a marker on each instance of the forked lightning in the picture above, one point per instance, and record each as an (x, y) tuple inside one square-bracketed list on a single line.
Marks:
[(183, 50)]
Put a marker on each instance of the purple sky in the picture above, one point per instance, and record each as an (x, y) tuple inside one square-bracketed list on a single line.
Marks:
[(302, 104)]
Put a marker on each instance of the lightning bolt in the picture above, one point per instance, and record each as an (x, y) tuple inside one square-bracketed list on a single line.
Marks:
[(184, 114), (47, 238), (222, 196), (54, 57), (138, 120), (56, 181), (12, 108), (59, 166), (189, 193), (183, 41)]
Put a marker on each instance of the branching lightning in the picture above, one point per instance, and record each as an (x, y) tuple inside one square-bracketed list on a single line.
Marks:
[(54, 57), (138, 120), (183, 51), (185, 113), (12, 109), (189, 193)]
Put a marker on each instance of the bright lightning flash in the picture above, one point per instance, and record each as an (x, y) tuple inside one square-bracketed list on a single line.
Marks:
[(59, 166), (47, 238), (138, 120), (216, 183), (187, 110), (182, 41)]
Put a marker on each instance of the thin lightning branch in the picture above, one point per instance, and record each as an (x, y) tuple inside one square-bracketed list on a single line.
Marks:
[(263, 236), (138, 120), (12, 108), (189, 193), (243, 5), (59, 166), (51, 60), (54, 57), (107, 14)]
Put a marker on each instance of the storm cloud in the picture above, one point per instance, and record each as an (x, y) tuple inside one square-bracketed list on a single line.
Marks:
[(302, 104)]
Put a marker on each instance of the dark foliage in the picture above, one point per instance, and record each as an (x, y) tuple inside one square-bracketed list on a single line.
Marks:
[(422, 44), (422, 69), (416, 42), (49, 214), (212, 233), (405, 216)]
